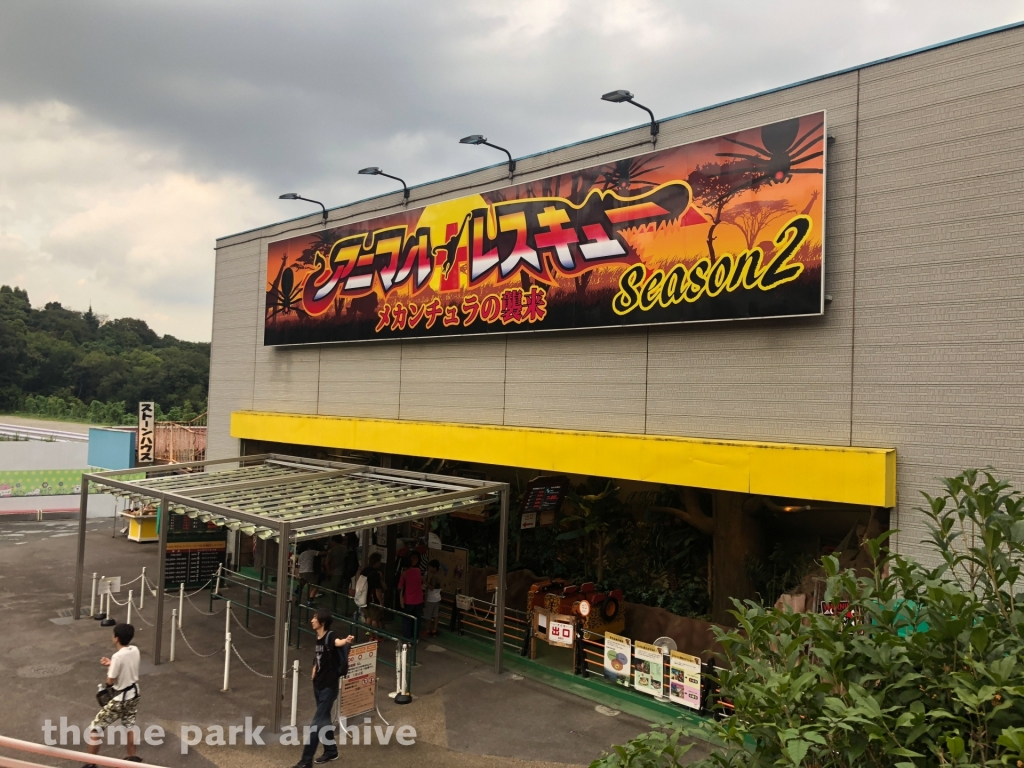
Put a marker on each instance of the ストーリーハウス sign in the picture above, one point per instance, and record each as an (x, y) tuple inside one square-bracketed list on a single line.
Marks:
[(727, 228)]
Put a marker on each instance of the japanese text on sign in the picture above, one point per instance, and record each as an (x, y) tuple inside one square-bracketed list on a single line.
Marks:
[(147, 433)]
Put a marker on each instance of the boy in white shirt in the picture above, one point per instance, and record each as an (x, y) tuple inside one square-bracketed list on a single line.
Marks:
[(123, 675)]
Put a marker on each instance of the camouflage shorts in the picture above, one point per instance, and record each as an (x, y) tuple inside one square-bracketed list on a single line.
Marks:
[(113, 711)]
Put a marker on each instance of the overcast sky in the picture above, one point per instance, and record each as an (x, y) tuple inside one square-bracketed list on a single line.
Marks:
[(133, 134)]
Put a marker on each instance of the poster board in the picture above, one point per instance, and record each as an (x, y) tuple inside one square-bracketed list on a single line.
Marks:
[(359, 686), (684, 679), (454, 563), (192, 562), (648, 669), (618, 658)]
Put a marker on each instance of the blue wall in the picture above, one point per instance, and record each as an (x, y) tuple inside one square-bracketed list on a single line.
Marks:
[(111, 448)]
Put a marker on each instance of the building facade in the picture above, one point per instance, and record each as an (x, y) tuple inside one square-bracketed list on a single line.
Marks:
[(913, 371)]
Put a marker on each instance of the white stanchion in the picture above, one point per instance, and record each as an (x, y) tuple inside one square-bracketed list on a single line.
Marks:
[(220, 568), (109, 620), (129, 619), (142, 593), (295, 691), (284, 661), (398, 672), (92, 600), (227, 617), (181, 602), (403, 696), (227, 661), (174, 629)]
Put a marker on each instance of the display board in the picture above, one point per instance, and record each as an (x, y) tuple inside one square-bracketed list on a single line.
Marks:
[(192, 562), (728, 228), (618, 657), (147, 434), (648, 669), (454, 563), (684, 679), (359, 686)]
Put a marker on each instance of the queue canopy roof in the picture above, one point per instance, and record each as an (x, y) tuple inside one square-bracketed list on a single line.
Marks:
[(315, 498)]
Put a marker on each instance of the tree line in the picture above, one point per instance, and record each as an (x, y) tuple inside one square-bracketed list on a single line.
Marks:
[(60, 363)]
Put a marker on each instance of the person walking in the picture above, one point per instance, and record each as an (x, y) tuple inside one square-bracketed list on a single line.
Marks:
[(410, 591), (330, 664), (307, 572), (123, 677)]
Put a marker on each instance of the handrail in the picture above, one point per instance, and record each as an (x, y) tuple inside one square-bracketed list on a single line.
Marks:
[(64, 754)]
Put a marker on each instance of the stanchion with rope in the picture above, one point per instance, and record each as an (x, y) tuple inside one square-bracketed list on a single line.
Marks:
[(181, 602), (101, 614), (130, 605), (142, 592), (92, 599), (108, 620)]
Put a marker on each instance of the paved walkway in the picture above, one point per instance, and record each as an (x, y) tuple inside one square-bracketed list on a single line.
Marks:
[(463, 714)]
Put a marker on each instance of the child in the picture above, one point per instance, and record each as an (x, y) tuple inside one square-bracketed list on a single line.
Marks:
[(123, 674), (432, 586)]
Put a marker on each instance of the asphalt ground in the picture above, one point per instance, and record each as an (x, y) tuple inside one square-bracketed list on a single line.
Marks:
[(464, 715)]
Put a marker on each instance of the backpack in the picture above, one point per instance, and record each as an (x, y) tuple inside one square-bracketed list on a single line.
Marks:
[(362, 590), (342, 654)]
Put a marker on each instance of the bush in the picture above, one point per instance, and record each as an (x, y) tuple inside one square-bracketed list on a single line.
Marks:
[(925, 669), (70, 408)]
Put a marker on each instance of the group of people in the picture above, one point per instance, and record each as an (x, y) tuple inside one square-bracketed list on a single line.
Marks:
[(418, 592), (332, 568)]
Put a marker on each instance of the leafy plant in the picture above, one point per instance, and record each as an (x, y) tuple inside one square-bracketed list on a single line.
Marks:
[(924, 670)]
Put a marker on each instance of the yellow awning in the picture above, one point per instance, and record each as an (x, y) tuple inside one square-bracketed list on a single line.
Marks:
[(851, 475)]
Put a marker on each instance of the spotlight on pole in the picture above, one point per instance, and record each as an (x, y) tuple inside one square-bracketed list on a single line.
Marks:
[(476, 140), (621, 96), (375, 171), (297, 196)]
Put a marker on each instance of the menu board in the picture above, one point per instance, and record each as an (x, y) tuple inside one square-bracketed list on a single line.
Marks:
[(684, 679), (359, 686), (192, 562)]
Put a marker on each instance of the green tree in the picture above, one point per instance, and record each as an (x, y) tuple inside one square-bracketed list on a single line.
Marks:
[(925, 669)]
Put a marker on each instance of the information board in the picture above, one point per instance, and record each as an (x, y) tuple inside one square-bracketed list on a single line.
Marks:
[(192, 562), (684, 679), (618, 653), (545, 494), (454, 563), (359, 686), (648, 672)]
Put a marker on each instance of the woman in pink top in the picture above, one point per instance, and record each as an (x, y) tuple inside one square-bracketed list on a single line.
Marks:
[(410, 591)]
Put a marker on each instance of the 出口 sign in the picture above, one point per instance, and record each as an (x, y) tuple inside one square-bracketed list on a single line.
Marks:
[(727, 228)]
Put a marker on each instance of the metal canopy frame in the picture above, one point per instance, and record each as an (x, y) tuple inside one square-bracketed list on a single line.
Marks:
[(291, 499)]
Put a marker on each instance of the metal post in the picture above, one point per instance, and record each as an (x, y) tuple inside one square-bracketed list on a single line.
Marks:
[(161, 574), (402, 658), (220, 568), (145, 586), (227, 618), (129, 619), (92, 600), (295, 691), (174, 629), (83, 511), (181, 602), (227, 660), (285, 533), (499, 605)]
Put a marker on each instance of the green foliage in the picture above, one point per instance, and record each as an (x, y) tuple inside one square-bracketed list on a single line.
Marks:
[(782, 571), (927, 671), (78, 359), (655, 558)]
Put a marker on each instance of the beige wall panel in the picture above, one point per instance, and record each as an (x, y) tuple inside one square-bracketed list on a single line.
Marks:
[(360, 380), (939, 345), (458, 380), (582, 380), (232, 355)]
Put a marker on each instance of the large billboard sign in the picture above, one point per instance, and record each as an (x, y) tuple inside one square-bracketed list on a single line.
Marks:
[(727, 228)]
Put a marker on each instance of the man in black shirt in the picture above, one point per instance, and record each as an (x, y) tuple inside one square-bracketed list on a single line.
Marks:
[(329, 666)]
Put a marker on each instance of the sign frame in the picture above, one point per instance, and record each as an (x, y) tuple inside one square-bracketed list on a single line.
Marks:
[(145, 449)]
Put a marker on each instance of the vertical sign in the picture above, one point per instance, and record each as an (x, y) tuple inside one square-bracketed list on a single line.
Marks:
[(684, 679), (359, 686), (647, 668), (147, 433), (618, 654)]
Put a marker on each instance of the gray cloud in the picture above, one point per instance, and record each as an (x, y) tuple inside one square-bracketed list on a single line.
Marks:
[(252, 99)]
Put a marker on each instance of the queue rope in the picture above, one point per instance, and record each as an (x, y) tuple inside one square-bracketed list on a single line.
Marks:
[(115, 601), (139, 615), (246, 665), (197, 653), (200, 610), (245, 629)]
